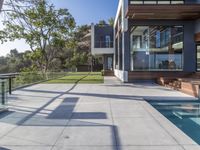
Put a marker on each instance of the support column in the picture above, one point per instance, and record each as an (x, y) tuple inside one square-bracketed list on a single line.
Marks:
[(189, 53), (126, 51), (10, 85), (119, 49)]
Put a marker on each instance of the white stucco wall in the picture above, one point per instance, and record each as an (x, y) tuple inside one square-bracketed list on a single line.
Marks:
[(122, 7), (99, 51), (122, 75)]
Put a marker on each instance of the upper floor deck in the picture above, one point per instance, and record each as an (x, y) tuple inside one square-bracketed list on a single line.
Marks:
[(163, 2), (163, 9)]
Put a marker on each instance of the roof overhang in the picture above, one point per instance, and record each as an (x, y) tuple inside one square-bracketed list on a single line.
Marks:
[(159, 11)]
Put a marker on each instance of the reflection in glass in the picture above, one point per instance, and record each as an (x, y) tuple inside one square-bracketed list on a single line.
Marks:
[(156, 48), (198, 57)]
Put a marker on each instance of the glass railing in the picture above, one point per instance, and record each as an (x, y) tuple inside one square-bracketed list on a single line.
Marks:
[(3, 94), (103, 44), (13, 81), (27, 78), (157, 2)]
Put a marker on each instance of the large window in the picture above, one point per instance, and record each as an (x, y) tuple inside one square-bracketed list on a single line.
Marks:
[(156, 48), (198, 57), (108, 41)]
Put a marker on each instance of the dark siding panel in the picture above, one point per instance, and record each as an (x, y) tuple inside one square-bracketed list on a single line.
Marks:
[(192, 1), (101, 32)]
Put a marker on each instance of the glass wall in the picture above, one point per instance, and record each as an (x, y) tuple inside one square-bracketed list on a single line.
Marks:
[(156, 48), (198, 57)]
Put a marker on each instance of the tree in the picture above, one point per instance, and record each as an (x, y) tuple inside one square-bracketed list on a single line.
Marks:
[(102, 23), (14, 61), (76, 50), (111, 21), (42, 27)]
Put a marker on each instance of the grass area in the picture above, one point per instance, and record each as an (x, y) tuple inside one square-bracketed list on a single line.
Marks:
[(79, 77)]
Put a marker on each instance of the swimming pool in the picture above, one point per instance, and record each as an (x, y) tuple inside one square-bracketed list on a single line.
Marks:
[(184, 114)]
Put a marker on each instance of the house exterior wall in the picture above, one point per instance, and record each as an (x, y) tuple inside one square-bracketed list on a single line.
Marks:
[(122, 28), (96, 33), (102, 32)]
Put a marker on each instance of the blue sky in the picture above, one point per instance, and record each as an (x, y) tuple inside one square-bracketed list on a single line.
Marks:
[(84, 12), (88, 11)]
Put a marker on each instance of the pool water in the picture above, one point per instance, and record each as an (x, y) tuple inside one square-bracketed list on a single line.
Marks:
[(185, 115)]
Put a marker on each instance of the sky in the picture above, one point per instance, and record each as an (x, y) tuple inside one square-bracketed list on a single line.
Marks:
[(84, 12)]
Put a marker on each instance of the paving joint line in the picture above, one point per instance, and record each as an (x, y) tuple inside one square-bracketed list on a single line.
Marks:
[(70, 118), (163, 127), (113, 123)]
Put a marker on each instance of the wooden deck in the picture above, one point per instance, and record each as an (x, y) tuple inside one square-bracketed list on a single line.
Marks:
[(146, 75), (108, 73), (188, 85), (186, 82)]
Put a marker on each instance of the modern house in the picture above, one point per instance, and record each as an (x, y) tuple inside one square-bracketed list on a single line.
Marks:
[(151, 39), (102, 45)]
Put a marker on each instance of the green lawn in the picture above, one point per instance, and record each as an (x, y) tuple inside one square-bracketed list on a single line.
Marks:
[(79, 77)]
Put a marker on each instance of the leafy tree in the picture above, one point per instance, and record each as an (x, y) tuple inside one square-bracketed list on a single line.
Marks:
[(42, 27), (14, 62), (111, 21), (76, 50), (1, 4), (102, 23)]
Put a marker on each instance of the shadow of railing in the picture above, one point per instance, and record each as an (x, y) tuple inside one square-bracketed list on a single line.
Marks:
[(62, 115), (3, 148)]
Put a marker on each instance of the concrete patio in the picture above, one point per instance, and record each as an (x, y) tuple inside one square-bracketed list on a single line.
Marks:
[(110, 116)]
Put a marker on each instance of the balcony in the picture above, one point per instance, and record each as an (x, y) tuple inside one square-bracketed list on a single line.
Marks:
[(163, 9), (103, 47), (104, 44)]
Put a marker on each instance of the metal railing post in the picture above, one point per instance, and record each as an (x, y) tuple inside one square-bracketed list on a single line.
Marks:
[(3, 93), (10, 86)]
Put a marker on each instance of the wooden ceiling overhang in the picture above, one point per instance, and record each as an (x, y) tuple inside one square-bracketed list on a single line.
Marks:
[(177, 12)]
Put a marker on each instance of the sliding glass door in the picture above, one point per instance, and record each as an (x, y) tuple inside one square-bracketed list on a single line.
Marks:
[(198, 57)]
